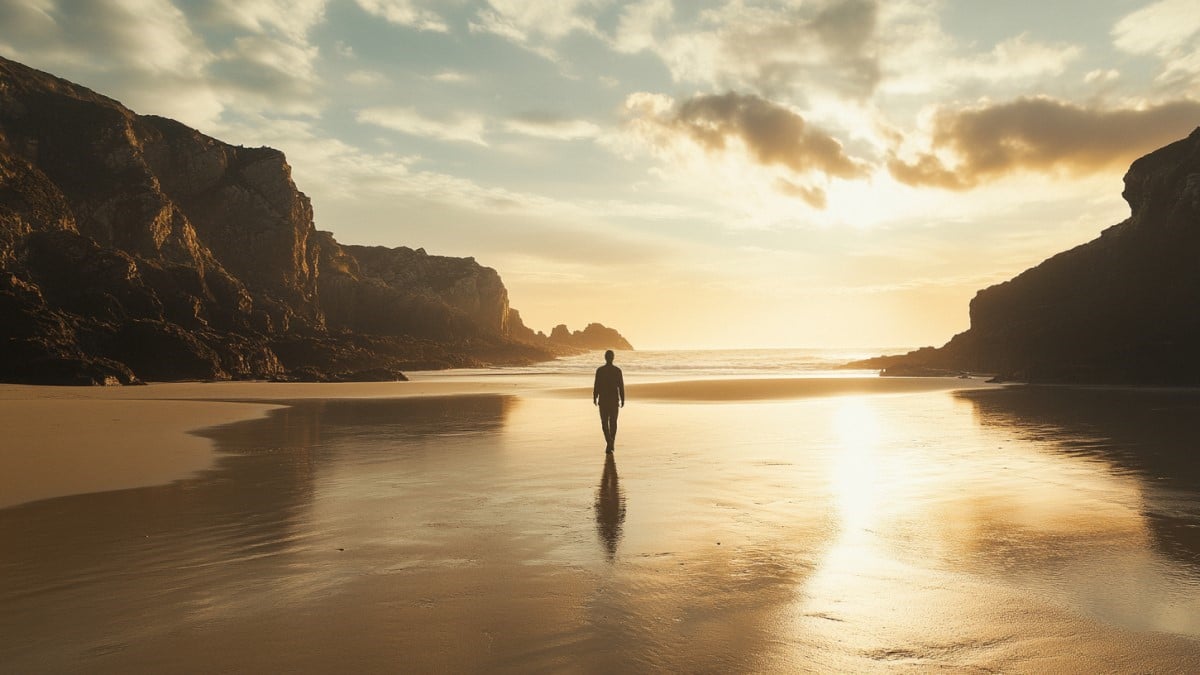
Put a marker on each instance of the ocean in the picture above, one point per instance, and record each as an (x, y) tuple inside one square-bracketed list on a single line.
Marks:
[(654, 364)]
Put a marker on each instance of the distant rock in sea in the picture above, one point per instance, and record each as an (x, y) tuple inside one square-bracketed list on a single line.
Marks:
[(135, 248), (593, 337), (1121, 309)]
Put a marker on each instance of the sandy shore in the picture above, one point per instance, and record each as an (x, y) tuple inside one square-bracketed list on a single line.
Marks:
[(60, 441)]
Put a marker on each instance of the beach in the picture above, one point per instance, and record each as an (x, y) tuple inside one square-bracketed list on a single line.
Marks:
[(473, 522)]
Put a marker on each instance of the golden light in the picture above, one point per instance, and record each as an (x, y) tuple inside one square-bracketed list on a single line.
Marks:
[(854, 478)]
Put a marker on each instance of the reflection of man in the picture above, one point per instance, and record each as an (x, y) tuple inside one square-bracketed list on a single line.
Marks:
[(609, 393), (610, 508)]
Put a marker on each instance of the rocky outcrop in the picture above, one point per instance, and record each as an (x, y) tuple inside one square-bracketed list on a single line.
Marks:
[(133, 247), (1123, 308), (593, 337), (373, 289)]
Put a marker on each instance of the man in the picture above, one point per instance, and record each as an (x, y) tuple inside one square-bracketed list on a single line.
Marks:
[(609, 393)]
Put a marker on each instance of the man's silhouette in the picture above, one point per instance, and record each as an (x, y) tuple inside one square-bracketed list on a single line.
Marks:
[(609, 393)]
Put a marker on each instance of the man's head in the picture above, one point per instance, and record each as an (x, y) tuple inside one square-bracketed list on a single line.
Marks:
[(608, 357)]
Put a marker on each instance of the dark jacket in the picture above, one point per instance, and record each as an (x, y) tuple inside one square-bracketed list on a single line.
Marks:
[(610, 385)]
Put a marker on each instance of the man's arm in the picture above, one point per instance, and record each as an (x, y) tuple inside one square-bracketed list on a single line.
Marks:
[(596, 389), (621, 386)]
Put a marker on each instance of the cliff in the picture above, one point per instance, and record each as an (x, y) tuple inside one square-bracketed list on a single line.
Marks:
[(133, 247), (1123, 308)]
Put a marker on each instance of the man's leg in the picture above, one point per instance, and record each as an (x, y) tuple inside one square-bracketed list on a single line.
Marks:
[(604, 423), (612, 425), (608, 420)]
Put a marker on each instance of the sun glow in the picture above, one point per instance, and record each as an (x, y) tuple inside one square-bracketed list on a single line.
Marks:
[(854, 477)]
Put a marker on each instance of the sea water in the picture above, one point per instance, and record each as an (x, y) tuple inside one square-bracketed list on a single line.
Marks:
[(699, 363)]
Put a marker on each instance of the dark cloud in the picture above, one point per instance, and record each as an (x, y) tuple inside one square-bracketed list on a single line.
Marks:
[(768, 133), (772, 134), (1043, 135)]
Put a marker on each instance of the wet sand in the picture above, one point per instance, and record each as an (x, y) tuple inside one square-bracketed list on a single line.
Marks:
[(1015, 530), (60, 441)]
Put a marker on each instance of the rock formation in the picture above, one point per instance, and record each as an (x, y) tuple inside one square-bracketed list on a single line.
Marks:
[(593, 337), (1123, 308), (133, 247)]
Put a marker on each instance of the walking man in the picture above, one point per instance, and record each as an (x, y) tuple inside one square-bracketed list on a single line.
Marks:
[(609, 393)]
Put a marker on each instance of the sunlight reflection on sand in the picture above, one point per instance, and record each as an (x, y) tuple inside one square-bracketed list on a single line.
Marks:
[(850, 532)]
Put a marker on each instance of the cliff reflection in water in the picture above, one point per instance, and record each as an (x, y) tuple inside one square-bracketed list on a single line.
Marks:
[(1152, 435), (610, 508)]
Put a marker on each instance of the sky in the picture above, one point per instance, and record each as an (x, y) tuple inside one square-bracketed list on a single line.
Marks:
[(724, 174)]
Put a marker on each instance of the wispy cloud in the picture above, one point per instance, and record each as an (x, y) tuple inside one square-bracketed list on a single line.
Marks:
[(550, 126), (453, 77), (406, 120), (291, 18), (409, 13), (366, 78), (1170, 30), (536, 26)]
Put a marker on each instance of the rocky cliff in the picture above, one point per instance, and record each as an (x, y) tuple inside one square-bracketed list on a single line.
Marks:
[(594, 336), (1123, 308), (133, 247)]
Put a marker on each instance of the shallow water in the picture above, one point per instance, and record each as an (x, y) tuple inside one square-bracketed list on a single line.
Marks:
[(1016, 529)]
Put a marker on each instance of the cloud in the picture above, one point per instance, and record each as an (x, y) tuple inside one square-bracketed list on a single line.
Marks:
[(639, 23), (453, 77), (828, 44), (408, 121), (814, 197), (536, 26), (554, 127), (1101, 76), (366, 78), (768, 133), (520, 20), (269, 74), (1161, 27), (291, 18), (143, 52), (1017, 58), (408, 13), (1168, 29), (754, 155), (215, 59), (1041, 135), (151, 36), (918, 55)]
